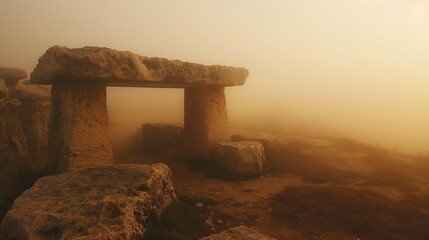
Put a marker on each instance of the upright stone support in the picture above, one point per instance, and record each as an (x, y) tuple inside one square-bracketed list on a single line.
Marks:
[(205, 122), (80, 135)]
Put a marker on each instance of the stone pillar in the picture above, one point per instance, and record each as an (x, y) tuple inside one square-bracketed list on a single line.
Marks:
[(79, 130), (206, 121)]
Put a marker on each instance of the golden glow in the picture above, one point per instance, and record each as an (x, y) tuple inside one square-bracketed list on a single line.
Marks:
[(355, 68)]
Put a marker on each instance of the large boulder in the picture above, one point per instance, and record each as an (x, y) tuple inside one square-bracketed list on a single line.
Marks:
[(244, 158), (162, 138), (238, 233), (106, 202), (123, 68)]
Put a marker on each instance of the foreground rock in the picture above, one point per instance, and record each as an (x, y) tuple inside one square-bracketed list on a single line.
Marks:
[(162, 138), (12, 75), (120, 68), (238, 233), (108, 202), (239, 158)]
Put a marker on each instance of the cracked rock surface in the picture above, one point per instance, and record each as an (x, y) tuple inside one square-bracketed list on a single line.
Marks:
[(123, 68), (106, 202)]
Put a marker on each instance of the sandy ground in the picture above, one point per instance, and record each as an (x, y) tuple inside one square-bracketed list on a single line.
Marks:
[(250, 202)]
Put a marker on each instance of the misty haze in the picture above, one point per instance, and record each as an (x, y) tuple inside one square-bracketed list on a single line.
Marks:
[(212, 120)]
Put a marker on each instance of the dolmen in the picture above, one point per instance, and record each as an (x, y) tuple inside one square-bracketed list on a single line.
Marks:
[(80, 135)]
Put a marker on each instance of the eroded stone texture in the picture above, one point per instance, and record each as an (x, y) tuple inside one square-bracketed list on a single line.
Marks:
[(239, 158), (14, 156), (80, 135), (12, 75), (238, 233), (34, 114), (106, 202), (162, 138), (120, 68), (206, 121), (13, 147)]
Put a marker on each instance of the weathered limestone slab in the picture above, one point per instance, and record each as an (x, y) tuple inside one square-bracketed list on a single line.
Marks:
[(206, 121), (106, 202), (80, 135), (120, 68), (162, 138), (12, 75), (238, 233), (239, 158)]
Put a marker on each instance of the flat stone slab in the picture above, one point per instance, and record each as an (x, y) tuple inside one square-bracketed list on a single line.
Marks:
[(238, 233), (106, 202), (11, 75), (244, 158), (123, 68)]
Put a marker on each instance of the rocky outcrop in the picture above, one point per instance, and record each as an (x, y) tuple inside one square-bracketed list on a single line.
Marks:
[(238, 233), (239, 158), (80, 135), (120, 68), (106, 202), (34, 114), (206, 122), (12, 75), (14, 157), (162, 138)]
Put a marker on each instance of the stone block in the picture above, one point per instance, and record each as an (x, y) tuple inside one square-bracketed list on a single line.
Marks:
[(106, 202), (239, 158), (80, 134)]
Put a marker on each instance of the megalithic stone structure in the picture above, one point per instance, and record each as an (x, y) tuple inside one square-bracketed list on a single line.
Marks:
[(79, 130)]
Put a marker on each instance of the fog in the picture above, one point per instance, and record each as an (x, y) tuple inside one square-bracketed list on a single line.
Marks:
[(349, 68)]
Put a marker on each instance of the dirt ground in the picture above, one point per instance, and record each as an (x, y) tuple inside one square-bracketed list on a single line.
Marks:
[(311, 189)]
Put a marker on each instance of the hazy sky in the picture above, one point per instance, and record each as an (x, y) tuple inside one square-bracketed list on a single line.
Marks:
[(356, 67)]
